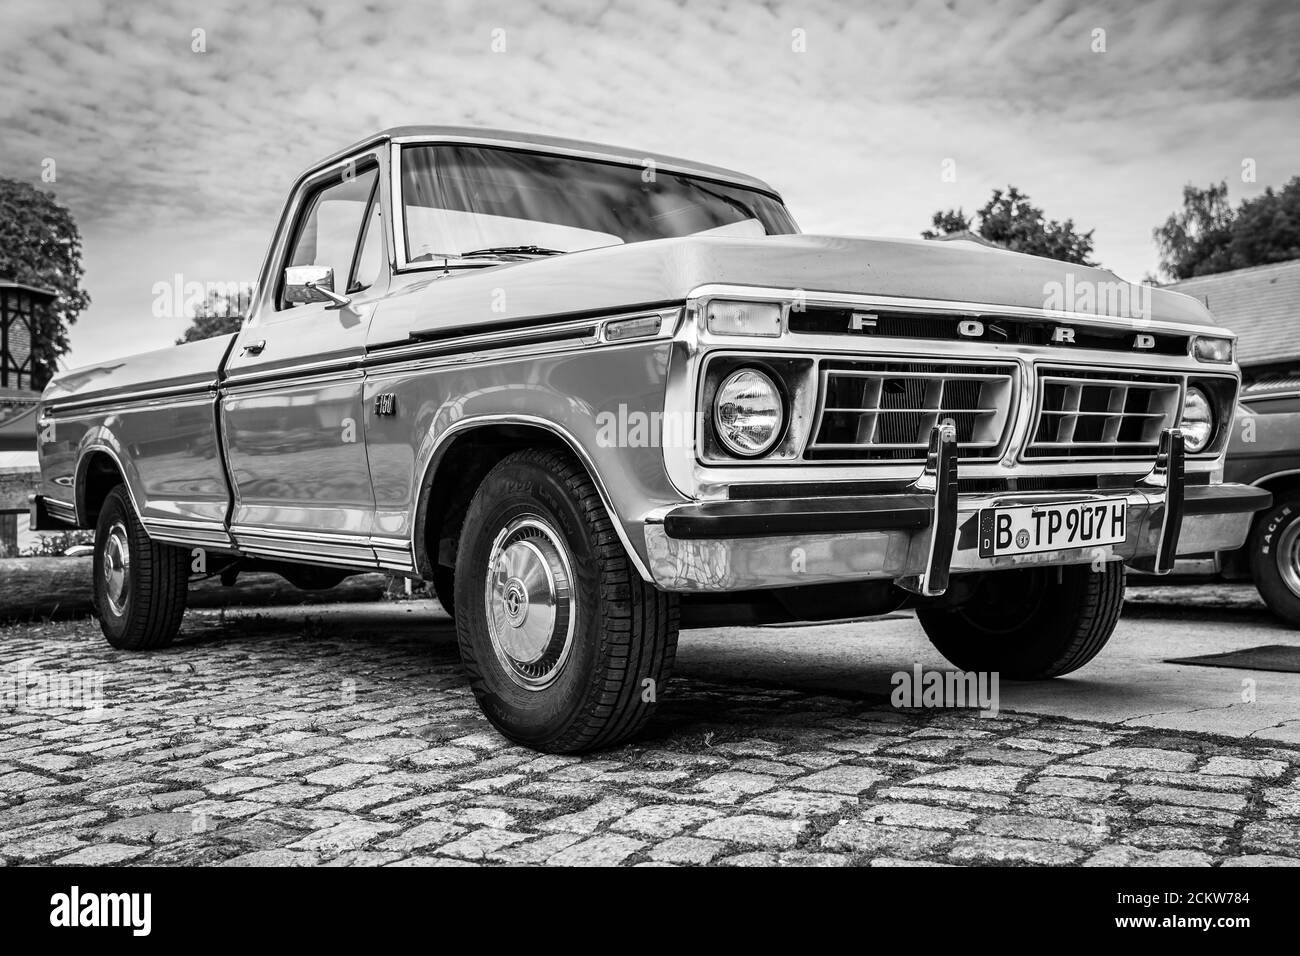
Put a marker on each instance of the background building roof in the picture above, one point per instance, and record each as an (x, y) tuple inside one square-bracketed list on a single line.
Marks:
[(38, 290), (1261, 304)]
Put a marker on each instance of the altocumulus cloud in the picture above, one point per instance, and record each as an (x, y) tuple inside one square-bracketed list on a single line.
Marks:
[(176, 161)]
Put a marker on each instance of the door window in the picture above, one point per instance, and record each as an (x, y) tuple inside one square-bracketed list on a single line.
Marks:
[(329, 229)]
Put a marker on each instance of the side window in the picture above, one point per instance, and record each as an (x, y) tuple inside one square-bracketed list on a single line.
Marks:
[(370, 254), (329, 227)]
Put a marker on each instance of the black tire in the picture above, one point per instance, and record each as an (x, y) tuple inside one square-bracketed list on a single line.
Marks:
[(141, 609), (1274, 550), (1030, 623), (600, 654)]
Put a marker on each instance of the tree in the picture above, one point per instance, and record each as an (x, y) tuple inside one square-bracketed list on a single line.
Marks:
[(40, 245), (1206, 236), (216, 316), (1198, 235), (1011, 221), (950, 223)]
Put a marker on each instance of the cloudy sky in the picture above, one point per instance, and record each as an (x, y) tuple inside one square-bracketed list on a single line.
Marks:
[(175, 161)]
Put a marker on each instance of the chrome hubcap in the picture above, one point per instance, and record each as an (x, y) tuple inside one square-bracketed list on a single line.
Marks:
[(530, 604), (1288, 556), (117, 568)]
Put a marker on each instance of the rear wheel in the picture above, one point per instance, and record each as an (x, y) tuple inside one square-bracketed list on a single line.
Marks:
[(140, 587), (566, 647), (1030, 623), (1274, 548)]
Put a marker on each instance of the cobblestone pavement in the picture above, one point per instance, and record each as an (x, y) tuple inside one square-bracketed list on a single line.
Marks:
[(257, 742)]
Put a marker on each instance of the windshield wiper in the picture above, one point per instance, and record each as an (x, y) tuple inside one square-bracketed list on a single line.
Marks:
[(512, 251)]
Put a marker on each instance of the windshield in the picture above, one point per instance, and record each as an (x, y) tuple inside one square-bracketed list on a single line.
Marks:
[(460, 199)]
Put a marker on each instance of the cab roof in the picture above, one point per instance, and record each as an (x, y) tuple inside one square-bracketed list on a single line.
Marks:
[(541, 143)]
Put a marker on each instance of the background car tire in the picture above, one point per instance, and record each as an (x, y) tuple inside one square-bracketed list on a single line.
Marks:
[(140, 587), (1030, 623), (1274, 550), (587, 670)]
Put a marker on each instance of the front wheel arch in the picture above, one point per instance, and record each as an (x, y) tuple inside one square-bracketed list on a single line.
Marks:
[(461, 459)]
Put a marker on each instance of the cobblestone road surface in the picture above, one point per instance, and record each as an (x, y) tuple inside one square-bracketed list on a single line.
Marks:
[(257, 742)]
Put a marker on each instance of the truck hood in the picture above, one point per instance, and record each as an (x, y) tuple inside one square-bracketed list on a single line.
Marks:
[(625, 277)]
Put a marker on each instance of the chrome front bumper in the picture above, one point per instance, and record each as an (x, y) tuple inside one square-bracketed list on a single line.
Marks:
[(919, 538)]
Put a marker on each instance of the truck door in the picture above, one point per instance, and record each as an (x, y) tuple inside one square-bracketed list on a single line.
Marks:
[(291, 406)]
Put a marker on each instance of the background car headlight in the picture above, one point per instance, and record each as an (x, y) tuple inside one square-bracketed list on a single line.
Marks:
[(1198, 420), (1208, 348), (748, 413), (744, 318)]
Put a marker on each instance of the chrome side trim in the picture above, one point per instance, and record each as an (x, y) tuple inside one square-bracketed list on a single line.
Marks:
[(351, 551), (63, 510), (308, 373), (394, 554), (511, 344), (111, 403), (580, 333), (204, 534), (435, 458)]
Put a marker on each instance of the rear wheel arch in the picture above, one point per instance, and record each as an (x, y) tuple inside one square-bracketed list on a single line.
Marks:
[(98, 473)]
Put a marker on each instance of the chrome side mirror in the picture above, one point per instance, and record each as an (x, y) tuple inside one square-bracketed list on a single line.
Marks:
[(312, 284)]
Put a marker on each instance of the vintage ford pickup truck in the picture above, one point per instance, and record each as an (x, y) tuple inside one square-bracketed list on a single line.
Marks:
[(593, 396)]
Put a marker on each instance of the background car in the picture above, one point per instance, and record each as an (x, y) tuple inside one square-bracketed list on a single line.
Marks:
[(1264, 451)]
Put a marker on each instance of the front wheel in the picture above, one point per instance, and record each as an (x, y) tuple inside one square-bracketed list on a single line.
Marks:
[(140, 586), (1030, 623), (1274, 548), (566, 648)]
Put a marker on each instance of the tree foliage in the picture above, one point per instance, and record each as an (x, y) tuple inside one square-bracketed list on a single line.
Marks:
[(1207, 236), (41, 246), (1010, 220), (218, 315)]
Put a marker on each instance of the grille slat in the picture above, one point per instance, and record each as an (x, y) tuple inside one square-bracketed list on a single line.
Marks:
[(885, 411), (1098, 415)]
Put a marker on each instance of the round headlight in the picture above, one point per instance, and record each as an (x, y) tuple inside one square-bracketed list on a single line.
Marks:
[(1198, 420), (748, 413)]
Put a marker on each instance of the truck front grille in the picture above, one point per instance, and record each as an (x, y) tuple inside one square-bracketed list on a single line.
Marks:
[(1083, 414), (884, 411)]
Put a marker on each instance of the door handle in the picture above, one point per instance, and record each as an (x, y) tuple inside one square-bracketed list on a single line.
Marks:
[(255, 348)]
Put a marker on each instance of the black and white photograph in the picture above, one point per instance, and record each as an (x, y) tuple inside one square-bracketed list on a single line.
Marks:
[(651, 433)]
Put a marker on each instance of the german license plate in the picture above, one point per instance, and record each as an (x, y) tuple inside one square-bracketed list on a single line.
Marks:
[(1033, 529)]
